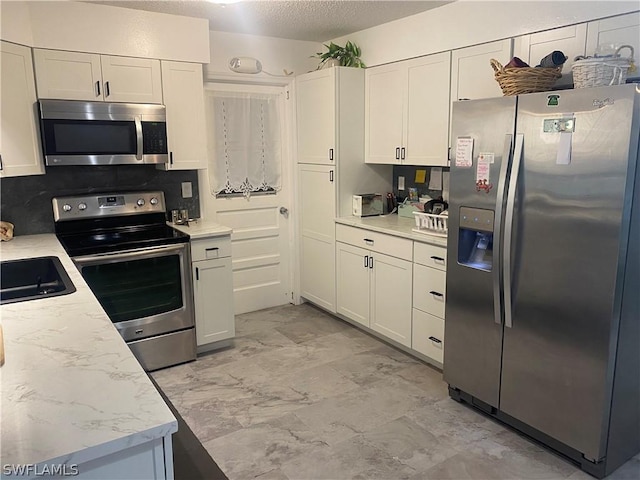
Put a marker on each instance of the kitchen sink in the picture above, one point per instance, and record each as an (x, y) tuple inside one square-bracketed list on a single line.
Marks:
[(33, 278)]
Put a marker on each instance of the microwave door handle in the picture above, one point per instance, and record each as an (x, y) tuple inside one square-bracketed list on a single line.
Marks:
[(139, 143)]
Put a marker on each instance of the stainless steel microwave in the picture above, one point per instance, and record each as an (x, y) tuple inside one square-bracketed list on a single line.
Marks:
[(101, 133)]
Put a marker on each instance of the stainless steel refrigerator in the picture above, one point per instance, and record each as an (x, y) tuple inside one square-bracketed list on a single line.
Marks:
[(542, 312)]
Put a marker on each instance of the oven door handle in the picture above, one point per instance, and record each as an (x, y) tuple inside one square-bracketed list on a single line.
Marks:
[(137, 253)]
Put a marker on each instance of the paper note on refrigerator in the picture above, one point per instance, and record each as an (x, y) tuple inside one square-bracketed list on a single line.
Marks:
[(482, 169), (435, 180), (464, 152), (563, 156)]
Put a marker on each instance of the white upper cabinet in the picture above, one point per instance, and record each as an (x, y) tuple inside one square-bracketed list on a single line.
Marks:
[(569, 40), (20, 152), (131, 79), (183, 93), (316, 117), (616, 31), (471, 74), (407, 111), (383, 119), (92, 77)]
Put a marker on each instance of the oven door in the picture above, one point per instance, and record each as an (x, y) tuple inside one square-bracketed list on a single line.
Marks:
[(145, 292)]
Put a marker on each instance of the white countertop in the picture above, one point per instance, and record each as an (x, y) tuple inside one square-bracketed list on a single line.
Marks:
[(202, 229), (71, 389), (393, 225)]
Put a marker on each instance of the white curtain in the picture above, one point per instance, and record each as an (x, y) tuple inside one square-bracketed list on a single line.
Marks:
[(244, 142)]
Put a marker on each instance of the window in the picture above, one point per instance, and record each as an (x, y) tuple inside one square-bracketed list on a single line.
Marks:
[(244, 143)]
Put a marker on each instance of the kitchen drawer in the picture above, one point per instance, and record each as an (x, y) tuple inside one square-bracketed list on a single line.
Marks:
[(428, 335), (429, 289), (376, 242), (430, 255), (208, 248)]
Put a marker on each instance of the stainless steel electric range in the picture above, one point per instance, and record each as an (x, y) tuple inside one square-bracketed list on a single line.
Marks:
[(137, 267)]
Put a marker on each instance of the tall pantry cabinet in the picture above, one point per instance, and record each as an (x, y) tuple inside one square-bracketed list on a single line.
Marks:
[(331, 168)]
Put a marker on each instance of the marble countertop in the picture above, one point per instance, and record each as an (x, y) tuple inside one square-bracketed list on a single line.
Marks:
[(393, 225), (202, 229), (71, 389)]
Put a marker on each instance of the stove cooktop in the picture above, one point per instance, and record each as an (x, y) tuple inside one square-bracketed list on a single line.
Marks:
[(120, 239)]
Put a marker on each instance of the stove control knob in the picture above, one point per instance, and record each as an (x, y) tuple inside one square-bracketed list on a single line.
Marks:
[(66, 207), (140, 202), (82, 206), (153, 201)]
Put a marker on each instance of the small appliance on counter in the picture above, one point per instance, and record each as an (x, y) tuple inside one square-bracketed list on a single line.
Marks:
[(367, 205)]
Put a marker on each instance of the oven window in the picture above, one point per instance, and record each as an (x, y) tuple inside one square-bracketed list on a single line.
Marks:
[(137, 288)]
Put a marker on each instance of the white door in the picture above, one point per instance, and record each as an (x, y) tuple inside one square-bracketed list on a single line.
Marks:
[(426, 132), (131, 79), (391, 297), (352, 268), (384, 91), (68, 75), (316, 117), (262, 235), (317, 210), (20, 152)]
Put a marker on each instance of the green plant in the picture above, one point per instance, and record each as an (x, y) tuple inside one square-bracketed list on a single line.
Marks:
[(347, 56)]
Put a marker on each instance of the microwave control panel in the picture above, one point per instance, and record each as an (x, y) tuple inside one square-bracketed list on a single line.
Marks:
[(154, 136)]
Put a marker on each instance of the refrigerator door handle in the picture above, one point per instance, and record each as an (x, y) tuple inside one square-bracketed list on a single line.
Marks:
[(508, 229), (496, 267)]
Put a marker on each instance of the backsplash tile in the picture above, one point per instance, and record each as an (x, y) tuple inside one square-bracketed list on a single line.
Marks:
[(409, 174), (26, 201)]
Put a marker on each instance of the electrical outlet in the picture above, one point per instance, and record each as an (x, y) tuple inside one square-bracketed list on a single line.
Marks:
[(400, 183), (186, 190)]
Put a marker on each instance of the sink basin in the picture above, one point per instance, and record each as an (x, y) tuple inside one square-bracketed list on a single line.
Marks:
[(33, 278)]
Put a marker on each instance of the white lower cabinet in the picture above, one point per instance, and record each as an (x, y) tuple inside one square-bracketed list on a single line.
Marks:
[(429, 296), (428, 335), (212, 290), (374, 289)]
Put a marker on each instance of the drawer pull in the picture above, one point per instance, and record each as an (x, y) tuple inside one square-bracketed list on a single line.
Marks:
[(368, 241), (435, 340), (139, 331), (211, 249), (437, 259), (437, 294)]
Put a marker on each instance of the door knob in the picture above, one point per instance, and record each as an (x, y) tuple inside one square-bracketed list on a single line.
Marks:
[(284, 211)]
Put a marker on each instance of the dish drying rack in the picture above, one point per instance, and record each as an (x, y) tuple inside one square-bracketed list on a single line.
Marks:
[(431, 224)]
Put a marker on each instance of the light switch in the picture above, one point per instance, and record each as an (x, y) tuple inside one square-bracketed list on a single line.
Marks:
[(186, 190)]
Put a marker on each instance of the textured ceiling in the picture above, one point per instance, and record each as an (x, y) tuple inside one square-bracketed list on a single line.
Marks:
[(312, 20)]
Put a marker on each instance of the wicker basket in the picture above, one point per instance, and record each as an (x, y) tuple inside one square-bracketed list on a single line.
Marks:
[(601, 71), (518, 80)]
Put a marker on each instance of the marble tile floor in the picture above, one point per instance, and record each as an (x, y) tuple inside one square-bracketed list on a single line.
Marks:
[(303, 395)]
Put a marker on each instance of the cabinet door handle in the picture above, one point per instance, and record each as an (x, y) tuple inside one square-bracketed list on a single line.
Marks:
[(97, 88), (106, 89), (437, 259), (171, 158), (366, 261), (197, 274), (331, 154), (435, 340), (368, 241), (370, 262), (1, 167), (331, 175), (436, 294), (402, 153), (397, 153)]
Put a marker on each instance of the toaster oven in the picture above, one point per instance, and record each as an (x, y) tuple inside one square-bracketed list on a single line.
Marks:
[(367, 205)]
